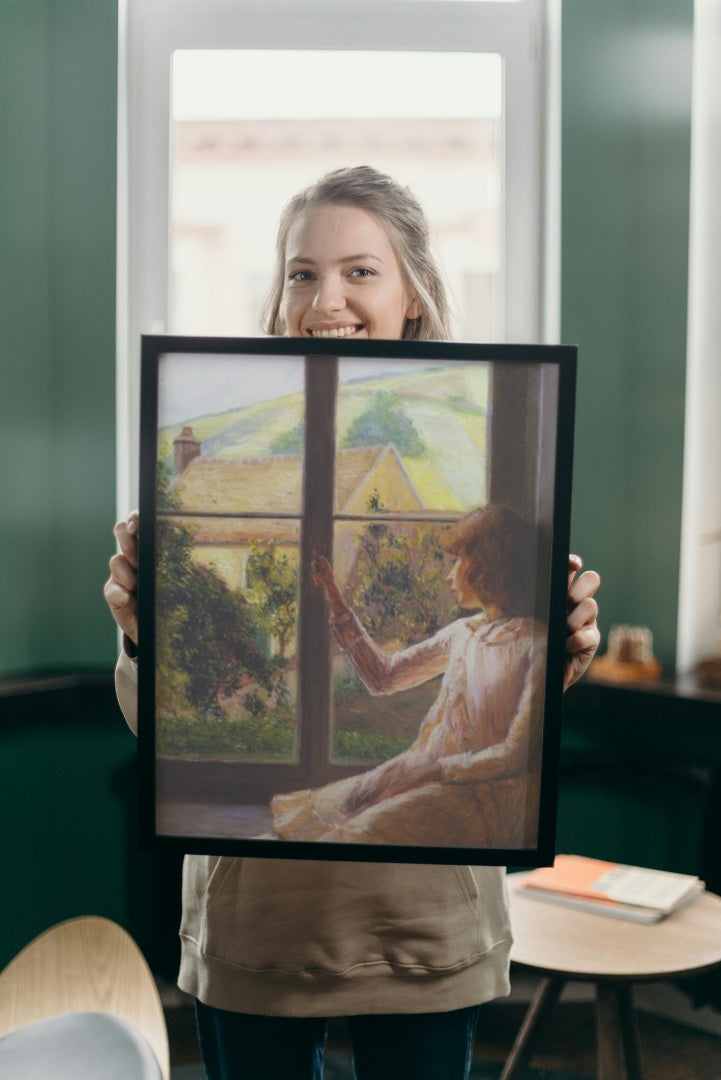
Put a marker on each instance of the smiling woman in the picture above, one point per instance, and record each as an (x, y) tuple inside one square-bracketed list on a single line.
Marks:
[(353, 259)]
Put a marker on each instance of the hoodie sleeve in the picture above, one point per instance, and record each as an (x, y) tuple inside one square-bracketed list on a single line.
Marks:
[(126, 688)]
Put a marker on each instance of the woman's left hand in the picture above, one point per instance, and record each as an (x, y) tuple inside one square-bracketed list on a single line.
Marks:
[(392, 778), (583, 635)]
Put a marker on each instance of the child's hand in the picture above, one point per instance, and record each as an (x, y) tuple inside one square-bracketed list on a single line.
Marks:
[(322, 572), (323, 575)]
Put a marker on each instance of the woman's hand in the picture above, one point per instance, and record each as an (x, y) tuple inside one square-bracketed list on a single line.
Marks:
[(394, 777), (323, 575), (121, 587), (583, 635)]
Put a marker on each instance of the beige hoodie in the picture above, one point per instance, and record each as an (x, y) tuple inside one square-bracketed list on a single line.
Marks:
[(298, 938)]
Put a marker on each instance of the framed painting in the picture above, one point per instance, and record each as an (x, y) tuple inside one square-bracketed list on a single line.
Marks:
[(352, 596)]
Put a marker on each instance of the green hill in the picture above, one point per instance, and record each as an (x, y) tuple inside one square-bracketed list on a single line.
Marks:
[(447, 407)]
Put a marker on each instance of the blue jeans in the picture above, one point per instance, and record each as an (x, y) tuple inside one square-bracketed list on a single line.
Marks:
[(416, 1046)]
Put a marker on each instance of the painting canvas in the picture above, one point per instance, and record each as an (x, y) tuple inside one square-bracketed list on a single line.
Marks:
[(425, 486)]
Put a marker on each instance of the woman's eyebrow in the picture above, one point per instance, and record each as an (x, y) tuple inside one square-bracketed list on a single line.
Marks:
[(361, 257)]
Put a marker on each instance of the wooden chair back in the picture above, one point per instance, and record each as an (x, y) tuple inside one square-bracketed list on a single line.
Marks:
[(87, 964)]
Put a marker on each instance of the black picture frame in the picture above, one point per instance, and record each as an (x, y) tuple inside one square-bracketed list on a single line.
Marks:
[(240, 694)]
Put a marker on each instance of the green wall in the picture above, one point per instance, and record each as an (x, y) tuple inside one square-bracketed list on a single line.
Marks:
[(68, 803), (58, 72), (625, 201)]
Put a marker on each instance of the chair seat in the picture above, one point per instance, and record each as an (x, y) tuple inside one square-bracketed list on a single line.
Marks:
[(78, 1046)]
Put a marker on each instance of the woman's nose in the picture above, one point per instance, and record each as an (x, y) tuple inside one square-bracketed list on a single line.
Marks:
[(329, 295)]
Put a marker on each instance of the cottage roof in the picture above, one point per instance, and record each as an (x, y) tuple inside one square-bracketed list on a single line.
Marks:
[(273, 483), (269, 485)]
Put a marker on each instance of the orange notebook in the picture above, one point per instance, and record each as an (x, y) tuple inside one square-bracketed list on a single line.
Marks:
[(631, 892)]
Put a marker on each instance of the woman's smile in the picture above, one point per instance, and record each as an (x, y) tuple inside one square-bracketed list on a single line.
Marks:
[(335, 331)]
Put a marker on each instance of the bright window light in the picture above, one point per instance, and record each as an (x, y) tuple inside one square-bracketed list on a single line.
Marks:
[(239, 154)]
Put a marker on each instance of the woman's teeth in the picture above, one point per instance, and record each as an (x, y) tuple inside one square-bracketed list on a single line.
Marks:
[(337, 331)]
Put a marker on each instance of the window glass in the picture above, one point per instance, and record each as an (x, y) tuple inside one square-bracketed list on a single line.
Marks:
[(428, 419), (244, 486), (238, 155), (400, 436), (230, 497)]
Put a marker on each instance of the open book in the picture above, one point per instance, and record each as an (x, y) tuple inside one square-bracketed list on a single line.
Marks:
[(608, 888)]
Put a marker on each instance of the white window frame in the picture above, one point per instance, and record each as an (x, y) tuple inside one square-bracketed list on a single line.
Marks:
[(525, 34), (699, 597)]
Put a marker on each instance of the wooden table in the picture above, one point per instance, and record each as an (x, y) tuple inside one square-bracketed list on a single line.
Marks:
[(563, 944)]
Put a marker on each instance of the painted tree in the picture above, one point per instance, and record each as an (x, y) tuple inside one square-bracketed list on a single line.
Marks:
[(385, 421), (273, 590), (289, 442), (205, 632), (400, 587)]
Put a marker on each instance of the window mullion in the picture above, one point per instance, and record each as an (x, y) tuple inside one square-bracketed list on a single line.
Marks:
[(314, 660)]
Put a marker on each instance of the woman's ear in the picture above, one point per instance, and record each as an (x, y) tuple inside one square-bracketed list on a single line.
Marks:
[(415, 309)]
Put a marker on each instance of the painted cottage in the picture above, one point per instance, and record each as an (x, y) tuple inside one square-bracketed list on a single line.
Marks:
[(239, 501)]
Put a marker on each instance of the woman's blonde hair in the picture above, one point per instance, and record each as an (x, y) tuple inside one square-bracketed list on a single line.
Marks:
[(403, 217)]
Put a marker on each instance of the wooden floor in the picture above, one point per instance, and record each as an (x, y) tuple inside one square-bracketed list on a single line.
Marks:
[(567, 1042), (669, 1051)]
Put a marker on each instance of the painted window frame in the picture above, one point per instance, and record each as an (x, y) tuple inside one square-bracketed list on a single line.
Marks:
[(317, 520)]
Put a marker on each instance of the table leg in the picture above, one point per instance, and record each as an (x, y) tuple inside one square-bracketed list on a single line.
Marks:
[(545, 997), (617, 1033)]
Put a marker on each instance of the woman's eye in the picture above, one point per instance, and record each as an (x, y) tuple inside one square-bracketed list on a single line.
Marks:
[(362, 272), (300, 276)]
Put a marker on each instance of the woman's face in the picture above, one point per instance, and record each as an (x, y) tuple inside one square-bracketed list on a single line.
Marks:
[(342, 277)]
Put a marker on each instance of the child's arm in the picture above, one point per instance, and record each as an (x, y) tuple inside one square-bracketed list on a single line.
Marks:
[(382, 673)]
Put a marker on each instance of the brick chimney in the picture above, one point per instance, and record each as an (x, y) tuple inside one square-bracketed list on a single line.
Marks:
[(185, 448)]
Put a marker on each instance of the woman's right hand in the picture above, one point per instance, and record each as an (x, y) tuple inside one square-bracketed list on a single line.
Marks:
[(121, 587), (323, 573), (324, 577)]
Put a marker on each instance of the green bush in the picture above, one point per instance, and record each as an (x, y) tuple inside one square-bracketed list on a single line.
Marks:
[(265, 737), (367, 746), (348, 687)]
